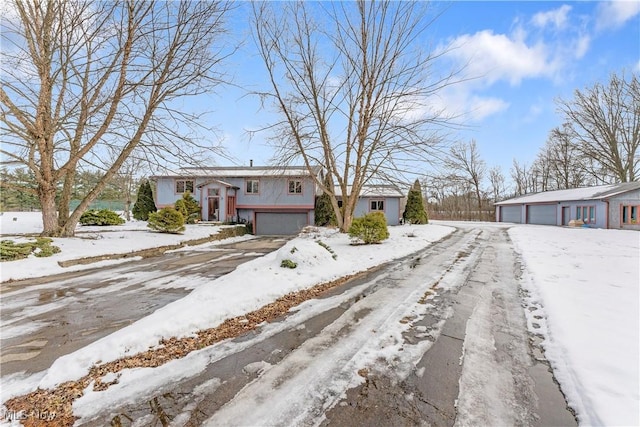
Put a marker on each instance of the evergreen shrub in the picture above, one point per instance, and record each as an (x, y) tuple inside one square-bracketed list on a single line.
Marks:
[(287, 263), (371, 228), (166, 220), (144, 204), (189, 208), (42, 247), (46, 249), (323, 211), (101, 217), (414, 212)]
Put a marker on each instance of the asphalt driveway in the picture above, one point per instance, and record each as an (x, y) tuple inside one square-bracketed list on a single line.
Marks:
[(45, 318)]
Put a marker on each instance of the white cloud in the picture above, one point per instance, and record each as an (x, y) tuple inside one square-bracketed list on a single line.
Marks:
[(582, 44), (459, 101), (493, 57), (614, 14), (480, 108), (557, 18)]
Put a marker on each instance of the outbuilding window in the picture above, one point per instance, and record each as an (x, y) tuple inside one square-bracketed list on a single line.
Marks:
[(629, 214), (586, 213), (377, 205)]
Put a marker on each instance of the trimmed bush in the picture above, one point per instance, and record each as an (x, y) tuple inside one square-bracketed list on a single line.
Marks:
[(166, 220), (101, 217), (144, 202), (11, 251), (371, 228)]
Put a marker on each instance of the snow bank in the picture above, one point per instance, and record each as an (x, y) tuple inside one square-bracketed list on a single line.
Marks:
[(586, 281)]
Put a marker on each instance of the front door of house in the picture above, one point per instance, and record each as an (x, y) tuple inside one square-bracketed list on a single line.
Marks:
[(214, 209)]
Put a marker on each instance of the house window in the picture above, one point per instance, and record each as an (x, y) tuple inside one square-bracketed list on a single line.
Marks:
[(586, 213), (295, 186), (213, 192), (377, 205), (630, 214), (184, 185), (252, 186)]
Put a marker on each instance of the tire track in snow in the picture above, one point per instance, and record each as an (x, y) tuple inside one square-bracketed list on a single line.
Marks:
[(369, 335)]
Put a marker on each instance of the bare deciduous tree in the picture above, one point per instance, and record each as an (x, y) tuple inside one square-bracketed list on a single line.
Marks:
[(352, 85), (520, 174), (497, 182), (567, 167), (465, 162), (604, 121), (82, 76)]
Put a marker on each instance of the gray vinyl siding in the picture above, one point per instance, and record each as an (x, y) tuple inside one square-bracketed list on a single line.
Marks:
[(166, 191), (274, 192), (391, 208), (600, 208)]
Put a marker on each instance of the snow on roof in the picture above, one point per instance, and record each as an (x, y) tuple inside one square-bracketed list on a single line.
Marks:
[(574, 194), (374, 191), (239, 172)]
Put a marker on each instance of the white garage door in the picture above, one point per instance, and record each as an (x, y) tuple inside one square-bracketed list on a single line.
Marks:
[(542, 214), (511, 214), (280, 223)]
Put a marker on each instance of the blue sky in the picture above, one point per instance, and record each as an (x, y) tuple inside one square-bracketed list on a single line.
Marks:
[(521, 56)]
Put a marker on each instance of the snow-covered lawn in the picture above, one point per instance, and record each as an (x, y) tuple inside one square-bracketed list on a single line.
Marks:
[(89, 241), (586, 282)]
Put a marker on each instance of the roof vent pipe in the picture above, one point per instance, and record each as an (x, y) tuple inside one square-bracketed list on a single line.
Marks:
[(251, 163)]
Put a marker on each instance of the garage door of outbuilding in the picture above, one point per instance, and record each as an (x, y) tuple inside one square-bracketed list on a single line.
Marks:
[(542, 214), (280, 223), (511, 214)]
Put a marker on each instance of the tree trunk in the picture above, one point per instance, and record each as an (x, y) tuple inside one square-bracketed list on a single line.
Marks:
[(347, 219), (127, 208), (65, 198), (47, 196)]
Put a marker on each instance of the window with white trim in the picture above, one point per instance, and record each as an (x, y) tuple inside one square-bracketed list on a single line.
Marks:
[(376, 205), (295, 186), (252, 186), (184, 185)]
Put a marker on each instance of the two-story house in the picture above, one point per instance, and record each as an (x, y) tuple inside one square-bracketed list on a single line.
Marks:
[(277, 200)]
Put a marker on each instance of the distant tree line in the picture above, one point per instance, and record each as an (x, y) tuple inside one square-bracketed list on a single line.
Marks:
[(118, 194), (598, 143)]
